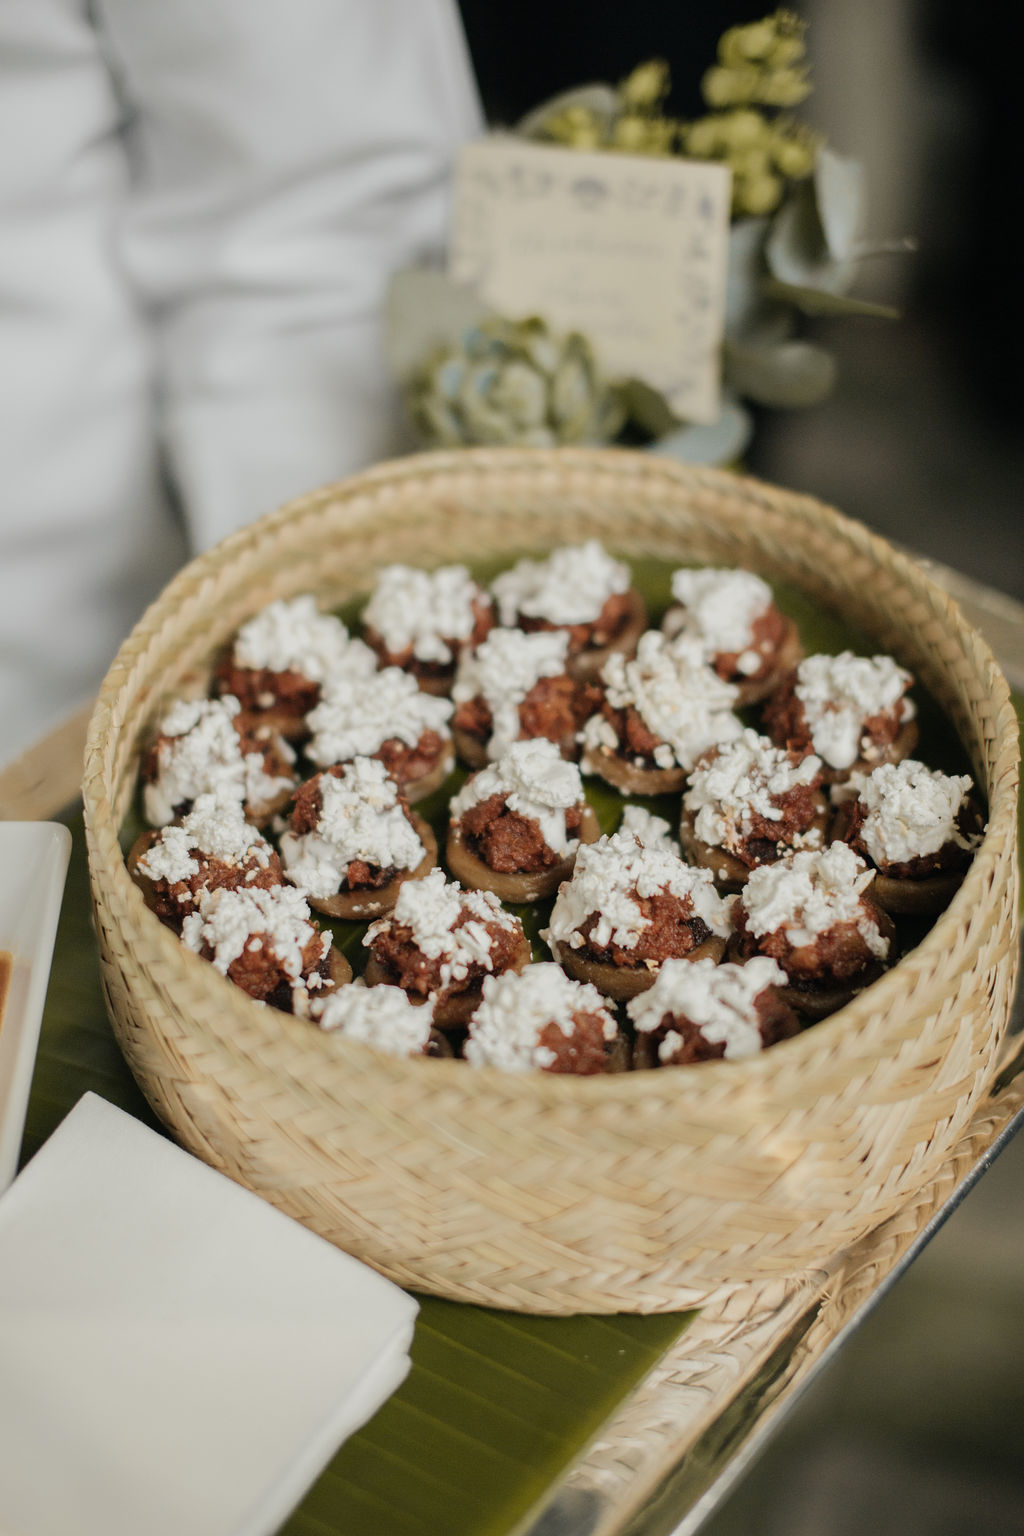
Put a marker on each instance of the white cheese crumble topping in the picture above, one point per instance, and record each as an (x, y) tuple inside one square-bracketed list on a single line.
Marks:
[(609, 878), (430, 907), (719, 999), (214, 828), (570, 587), (360, 818), (737, 783), (649, 830), (502, 670), (807, 893), (423, 610), (537, 782), (228, 922), (719, 608), (381, 1016), (358, 713), (204, 756), (911, 811), (840, 693), (677, 695), (294, 636), (505, 1029)]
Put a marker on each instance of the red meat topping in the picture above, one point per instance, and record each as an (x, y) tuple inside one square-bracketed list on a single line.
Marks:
[(776, 1021), (949, 858), (509, 843), (602, 631), (395, 949), (407, 764), (767, 633), (258, 688), (483, 623), (838, 955), (583, 1052), (672, 930)]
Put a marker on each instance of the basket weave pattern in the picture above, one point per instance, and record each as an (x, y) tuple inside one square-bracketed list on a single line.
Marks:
[(641, 1192)]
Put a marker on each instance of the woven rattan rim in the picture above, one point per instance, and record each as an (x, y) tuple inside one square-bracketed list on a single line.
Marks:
[(479, 502)]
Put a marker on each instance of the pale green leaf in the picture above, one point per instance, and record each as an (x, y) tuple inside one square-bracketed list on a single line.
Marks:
[(840, 195), (796, 250), (721, 442), (788, 376), (815, 301), (648, 407), (745, 272)]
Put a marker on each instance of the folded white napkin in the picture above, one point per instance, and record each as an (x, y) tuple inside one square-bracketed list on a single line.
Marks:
[(177, 1358)]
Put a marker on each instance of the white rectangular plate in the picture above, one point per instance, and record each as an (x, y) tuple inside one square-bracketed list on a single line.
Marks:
[(33, 864)]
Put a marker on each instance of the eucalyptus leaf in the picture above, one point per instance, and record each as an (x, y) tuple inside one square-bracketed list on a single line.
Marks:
[(425, 311), (720, 442), (796, 250), (815, 301), (648, 407), (599, 98), (774, 319), (745, 272), (789, 376), (840, 195)]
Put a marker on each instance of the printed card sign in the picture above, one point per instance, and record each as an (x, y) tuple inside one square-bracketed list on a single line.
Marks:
[(630, 250)]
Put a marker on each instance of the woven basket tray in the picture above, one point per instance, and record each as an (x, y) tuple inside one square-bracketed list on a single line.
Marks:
[(646, 1191)]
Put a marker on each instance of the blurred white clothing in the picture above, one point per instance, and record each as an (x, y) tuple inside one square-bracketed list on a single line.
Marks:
[(201, 204)]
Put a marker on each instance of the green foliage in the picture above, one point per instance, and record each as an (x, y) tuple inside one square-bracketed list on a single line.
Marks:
[(759, 74), (513, 382), (795, 248)]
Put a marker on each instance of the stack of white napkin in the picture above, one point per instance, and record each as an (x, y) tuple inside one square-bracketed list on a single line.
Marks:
[(176, 1356)]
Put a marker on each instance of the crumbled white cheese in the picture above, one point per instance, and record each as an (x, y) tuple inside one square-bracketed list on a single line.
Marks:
[(261, 787), (809, 892), (381, 1016), (911, 811), (502, 670), (505, 1029), (570, 587), (423, 610), (719, 608), (719, 999), (737, 783), (677, 695), (228, 922), (431, 907), (537, 782), (294, 636), (649, 830), (169, 857), (609, 877), (214, 828), (840, 693), (358, 713), (201, 755), (360, 818)]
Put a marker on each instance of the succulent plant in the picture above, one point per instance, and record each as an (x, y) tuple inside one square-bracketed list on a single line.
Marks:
[(502, 381)]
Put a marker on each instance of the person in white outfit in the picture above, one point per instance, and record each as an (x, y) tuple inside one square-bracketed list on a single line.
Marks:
[(201, 204)]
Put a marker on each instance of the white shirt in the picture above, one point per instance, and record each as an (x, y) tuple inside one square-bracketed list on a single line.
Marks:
[(201, 205)]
